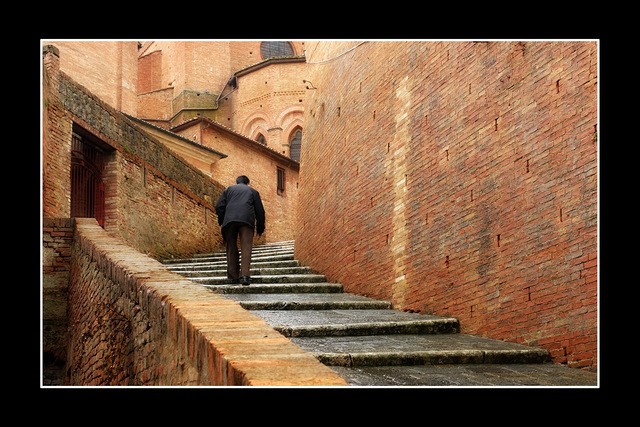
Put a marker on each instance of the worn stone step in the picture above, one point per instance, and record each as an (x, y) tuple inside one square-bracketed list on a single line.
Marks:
[(254, 250), (221, 272), (223, 261), (318, 323), (255, 256), (273, 288), (467, 375), (427, 349), (179, 268), (280, 278), (308, 301), (263, 250)]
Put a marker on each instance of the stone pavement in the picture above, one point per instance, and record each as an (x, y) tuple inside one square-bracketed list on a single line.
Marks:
[(366, 341)]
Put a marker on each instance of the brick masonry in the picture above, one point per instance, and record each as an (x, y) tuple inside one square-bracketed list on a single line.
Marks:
[(133, 322), (155, 200), (175, 82), (460, 181), (57, 239)]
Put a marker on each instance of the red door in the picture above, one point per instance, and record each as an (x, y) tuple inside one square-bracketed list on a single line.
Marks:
[(87, 187)]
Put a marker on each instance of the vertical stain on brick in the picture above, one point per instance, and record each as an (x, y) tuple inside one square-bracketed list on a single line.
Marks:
[(398, 171)]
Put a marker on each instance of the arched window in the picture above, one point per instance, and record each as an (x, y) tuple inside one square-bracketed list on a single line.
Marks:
[(295, 144), (271, 49), (261, 139)]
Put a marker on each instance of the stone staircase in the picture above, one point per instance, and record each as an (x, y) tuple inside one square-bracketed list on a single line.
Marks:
[(365, 340)]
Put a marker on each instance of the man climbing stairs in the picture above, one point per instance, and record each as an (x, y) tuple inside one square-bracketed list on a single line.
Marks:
[(365, 340)]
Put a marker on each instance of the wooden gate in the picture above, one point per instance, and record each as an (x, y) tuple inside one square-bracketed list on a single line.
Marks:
[(87, 186)]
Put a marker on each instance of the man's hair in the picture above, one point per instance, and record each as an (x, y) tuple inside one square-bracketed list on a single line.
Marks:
[(242, 180)]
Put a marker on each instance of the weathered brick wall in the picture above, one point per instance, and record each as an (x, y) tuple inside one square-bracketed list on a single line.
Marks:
[(133, 322), (270, 101), (459, 178), (57, 238), (154, 199), (108, 68)]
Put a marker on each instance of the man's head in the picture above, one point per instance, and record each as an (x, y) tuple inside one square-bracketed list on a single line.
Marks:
[(242, 180)]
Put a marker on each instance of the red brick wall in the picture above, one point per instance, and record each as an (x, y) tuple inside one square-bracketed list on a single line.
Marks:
[(170, 70), (150, 72), (270, 101), (459, 178), (108, 68), (154, 199), (57, 238)]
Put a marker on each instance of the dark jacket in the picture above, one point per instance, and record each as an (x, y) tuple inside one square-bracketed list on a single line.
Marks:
[(241, 203)]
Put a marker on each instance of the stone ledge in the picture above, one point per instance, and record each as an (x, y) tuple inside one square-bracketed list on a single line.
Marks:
[(226, 343)]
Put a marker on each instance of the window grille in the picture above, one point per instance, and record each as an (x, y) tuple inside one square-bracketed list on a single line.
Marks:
[(87, 187), (295, 143), (274, 49)]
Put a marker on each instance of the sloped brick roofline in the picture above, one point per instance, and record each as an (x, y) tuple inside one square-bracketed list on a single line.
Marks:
[(175, 135), (269, 61), (292, 163)]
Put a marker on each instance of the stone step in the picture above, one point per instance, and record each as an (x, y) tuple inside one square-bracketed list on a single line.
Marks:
[(468, 375), (282, 256), (255, 272), (257, 250), (308, 301), (428, 349), (275, 288), (276, 278), (196, 266), (354, 322)]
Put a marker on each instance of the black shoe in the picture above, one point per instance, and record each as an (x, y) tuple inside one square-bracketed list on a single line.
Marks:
[(246, 280)]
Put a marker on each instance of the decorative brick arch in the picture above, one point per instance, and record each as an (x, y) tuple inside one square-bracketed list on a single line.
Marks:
[(290, 119), (257, 122), (288, 115)]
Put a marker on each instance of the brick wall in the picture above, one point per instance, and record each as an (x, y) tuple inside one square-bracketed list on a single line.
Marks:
[(269, 101), (133, 322), (459, 178), (108, 68), (154, 199), (57, 238)]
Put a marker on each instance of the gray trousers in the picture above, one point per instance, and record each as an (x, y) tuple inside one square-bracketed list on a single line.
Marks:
[(231, 233)]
